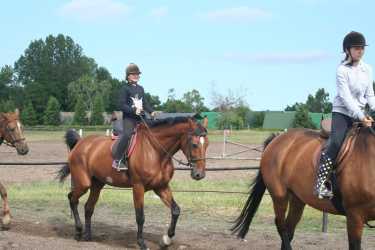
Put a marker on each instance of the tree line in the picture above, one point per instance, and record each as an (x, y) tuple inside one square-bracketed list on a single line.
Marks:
[(54, 75)]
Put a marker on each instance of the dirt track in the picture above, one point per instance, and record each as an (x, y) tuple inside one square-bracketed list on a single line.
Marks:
[(49, 230)]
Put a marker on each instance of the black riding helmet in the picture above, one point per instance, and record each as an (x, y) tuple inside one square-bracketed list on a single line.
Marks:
[(353, 39), (132, 68)]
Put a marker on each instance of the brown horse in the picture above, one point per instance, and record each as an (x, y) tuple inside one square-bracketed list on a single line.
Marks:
[(288, 169), (150, 168), (11, 133)]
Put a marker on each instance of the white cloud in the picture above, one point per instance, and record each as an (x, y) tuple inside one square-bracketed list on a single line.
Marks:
[(88, 10), (159, 12), (280, 58), (237, 14)]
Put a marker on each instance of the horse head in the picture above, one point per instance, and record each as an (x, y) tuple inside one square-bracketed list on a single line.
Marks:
[(11, 131), (194, 145)]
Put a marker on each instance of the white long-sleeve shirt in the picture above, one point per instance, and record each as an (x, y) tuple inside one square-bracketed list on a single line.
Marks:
[(354, 90)]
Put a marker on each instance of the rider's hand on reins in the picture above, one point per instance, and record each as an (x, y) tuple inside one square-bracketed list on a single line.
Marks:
[(138, 111), (367, 121)]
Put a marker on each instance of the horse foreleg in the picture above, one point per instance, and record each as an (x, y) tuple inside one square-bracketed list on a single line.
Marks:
[(6, 209), (95, 189), (138, 198), (354, 225), (166, 196)]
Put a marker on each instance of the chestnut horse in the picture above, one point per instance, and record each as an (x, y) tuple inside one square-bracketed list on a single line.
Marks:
[(287, 170), (11, 134), (150, 168)]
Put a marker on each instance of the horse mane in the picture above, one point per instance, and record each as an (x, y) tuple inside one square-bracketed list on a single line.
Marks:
[(169, 121)]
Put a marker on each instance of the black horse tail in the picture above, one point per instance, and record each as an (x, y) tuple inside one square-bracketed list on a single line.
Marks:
[(242, 223), (71, 139)]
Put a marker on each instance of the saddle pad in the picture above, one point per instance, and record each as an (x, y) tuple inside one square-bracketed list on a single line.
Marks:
[(133, 142)]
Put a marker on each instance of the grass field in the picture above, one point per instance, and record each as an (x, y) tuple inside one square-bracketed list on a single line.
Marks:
[(206, 208)]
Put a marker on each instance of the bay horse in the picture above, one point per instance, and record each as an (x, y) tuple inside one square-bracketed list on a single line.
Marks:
[(150, 168), (11, 134), (288, 169)]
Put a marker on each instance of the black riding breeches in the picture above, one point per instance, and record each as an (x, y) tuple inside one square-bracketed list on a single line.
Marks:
[(341, 124), (129, 125)]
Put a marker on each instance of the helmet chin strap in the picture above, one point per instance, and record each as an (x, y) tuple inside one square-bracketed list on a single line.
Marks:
[(350, 57)]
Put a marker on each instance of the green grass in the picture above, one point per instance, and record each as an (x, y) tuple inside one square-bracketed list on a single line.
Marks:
[(210, 209)]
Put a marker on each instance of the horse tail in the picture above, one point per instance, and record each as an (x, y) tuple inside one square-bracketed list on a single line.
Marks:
[(71, 139), (242, 223), (269, 139), (63, 173), (257, 189)]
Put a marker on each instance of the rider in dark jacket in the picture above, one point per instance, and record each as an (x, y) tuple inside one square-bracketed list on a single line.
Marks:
[(132, 104)]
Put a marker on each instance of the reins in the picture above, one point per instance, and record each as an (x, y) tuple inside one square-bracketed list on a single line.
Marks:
[(156, 141)]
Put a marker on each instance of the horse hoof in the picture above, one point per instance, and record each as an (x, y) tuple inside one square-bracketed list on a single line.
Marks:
[(6, 221), (87, 238), (78, 236), (166, 241)]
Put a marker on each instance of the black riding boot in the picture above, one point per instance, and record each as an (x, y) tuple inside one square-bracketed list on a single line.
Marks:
[(323, 188), (120, 162)]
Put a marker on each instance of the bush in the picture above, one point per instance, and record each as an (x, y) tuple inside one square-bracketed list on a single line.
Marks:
[(97, 112), (230, 119), (302, 118)]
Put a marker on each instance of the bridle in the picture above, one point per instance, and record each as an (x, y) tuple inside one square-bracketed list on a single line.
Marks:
[(198, 132), (10, 131), (201, 132)]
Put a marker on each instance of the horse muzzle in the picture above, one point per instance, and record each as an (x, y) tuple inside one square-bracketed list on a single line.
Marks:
[(22, 148), (197, 174)]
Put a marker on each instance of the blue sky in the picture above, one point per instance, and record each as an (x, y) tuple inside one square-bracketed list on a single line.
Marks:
[(272, 52)]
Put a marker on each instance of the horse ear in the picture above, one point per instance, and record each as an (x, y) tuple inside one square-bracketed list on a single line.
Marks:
[(205, 122), (17, 112)]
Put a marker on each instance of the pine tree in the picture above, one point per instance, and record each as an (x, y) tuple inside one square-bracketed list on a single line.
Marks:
[(79, 113), (52, 113), (97, 112), (28, 115)]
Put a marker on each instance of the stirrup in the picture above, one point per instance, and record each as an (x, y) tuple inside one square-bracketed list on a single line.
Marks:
[(119, 165), (324, 192)]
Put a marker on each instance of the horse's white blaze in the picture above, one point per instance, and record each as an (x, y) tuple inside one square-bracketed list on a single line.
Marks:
[(201, 140), (19, 125)]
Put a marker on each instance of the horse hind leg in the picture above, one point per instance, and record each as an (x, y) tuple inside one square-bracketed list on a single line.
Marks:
[(295, 211), (6, 209), (78, 190), (95, 189)]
